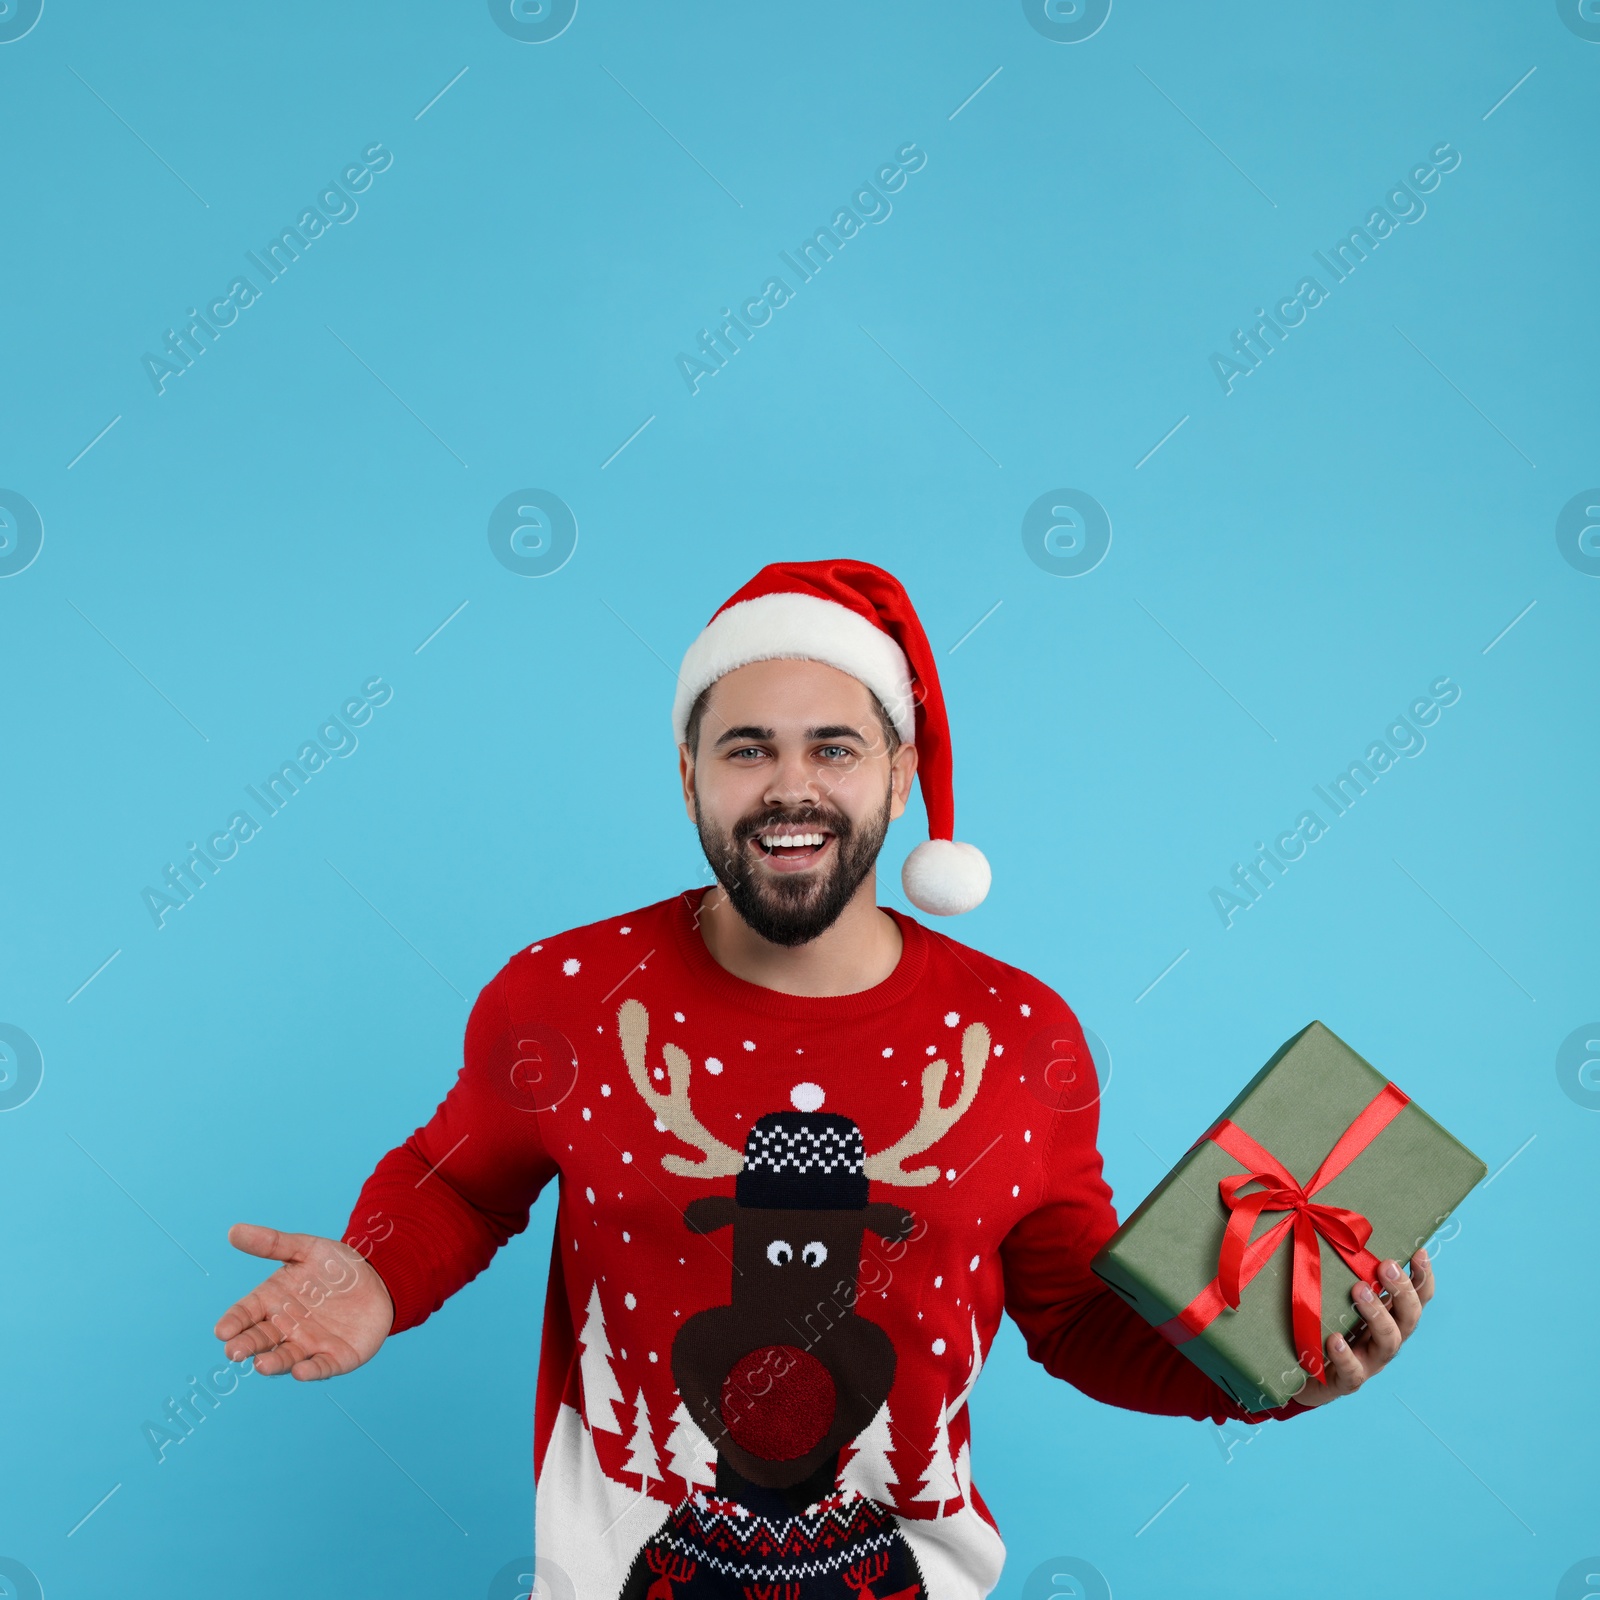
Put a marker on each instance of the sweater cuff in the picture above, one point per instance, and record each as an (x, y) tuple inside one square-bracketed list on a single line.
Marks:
[(402, 1276), (1290, 1408)]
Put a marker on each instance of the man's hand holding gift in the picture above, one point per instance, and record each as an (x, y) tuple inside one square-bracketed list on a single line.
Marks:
[(1384, 1328)]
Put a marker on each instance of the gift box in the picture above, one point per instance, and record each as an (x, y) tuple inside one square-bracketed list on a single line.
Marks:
[(1245, 1254)]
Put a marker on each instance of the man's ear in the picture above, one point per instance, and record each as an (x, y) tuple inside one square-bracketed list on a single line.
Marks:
[(901, 771), (686, 777)]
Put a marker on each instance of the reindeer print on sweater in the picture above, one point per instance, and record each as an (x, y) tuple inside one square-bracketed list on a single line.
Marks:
[(787, 1229)]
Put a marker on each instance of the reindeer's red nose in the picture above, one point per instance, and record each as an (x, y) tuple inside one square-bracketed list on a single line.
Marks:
[(777, 1402)]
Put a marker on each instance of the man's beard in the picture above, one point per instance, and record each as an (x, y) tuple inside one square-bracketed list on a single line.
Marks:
[(793, 908)]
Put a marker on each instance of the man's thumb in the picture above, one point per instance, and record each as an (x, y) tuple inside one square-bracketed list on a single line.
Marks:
[(268, 1242)]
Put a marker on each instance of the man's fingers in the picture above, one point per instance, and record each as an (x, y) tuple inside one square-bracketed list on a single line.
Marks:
[(1383, 1334), (242, 1313), (251, 1341), (275, 1245), (280, 1358), (1347, 1374), (1405, 1306), (266, 1312), (1422, 1277), (237, 1317), (321, 1365)]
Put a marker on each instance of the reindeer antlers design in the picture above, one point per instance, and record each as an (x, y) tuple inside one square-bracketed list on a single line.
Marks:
[(933, 1120), (719, 1160)]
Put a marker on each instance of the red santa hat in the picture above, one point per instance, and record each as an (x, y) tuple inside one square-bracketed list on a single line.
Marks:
[(856, 617)]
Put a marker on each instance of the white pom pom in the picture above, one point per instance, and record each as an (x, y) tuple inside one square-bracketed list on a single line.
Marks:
[(945, 877)]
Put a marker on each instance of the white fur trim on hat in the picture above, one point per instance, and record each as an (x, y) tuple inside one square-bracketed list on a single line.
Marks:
[(945, 877), (801, 627)]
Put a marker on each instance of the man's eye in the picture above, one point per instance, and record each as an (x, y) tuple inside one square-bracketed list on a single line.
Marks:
[(842, 749)]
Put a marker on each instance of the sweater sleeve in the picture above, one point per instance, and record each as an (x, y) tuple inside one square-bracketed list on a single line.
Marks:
[(436, 1208), (1075, 1326)]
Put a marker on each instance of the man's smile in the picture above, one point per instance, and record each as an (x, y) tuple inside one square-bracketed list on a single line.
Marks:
[(789, 849)]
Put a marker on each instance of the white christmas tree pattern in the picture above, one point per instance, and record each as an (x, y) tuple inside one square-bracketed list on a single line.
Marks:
[(975, 1367), (868, 1469), (642, 1448), (693, 1456), (600, 1391), (939, 1482)]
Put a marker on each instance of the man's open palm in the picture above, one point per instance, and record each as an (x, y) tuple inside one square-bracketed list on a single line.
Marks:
[(321, 1314)]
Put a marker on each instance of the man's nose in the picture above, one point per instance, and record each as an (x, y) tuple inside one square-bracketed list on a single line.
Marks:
[(794, 781)]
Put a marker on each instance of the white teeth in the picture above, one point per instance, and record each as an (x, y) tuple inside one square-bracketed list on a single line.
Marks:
[(774, 839)]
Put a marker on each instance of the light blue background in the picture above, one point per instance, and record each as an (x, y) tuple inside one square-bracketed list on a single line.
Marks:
[(1292, 567)]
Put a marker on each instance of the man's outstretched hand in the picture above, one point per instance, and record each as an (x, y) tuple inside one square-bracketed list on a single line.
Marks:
[(321, 1314), (1383, 1330)]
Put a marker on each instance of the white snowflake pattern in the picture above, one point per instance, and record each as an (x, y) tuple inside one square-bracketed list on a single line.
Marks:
[(589, 1195), (749, 1044), (938, 1347), (534, 949), (605, 1088), (950, 1173), (888, 1050), (972, 1265), (1016, 1189), (571, 966), (713, 1066), (999, 1049), (587, 1113), (677, 1016), (1027, 1010), (629, 1300), (624, 929), (951, 1018), (627, 1155), (938, 1281), (1027, 1135)]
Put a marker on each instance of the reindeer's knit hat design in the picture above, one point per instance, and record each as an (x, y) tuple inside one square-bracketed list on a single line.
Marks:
[(806, 1160), (858, 618)]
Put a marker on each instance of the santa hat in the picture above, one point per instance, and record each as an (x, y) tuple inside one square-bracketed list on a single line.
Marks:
[(856, 617)]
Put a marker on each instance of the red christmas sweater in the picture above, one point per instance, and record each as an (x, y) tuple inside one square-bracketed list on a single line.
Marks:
[(787, 1229)]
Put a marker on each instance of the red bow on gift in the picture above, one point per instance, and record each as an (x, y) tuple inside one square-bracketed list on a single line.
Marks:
[(1240, 1257)]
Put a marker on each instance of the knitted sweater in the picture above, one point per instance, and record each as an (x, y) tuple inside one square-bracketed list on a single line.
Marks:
[(787, 1229)]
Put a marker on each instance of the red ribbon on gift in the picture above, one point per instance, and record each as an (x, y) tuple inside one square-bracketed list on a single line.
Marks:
[(1241, 1257)]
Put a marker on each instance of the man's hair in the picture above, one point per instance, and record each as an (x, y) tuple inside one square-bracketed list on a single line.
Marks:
[(697, 712)]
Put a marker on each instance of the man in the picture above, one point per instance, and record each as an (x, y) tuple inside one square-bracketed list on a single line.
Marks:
[(808, 1151)]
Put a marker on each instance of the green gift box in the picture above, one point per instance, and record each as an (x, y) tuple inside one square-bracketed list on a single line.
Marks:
[(1224, 1257)]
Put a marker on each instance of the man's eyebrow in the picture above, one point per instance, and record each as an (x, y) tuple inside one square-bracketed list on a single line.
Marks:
[(834, 730)]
